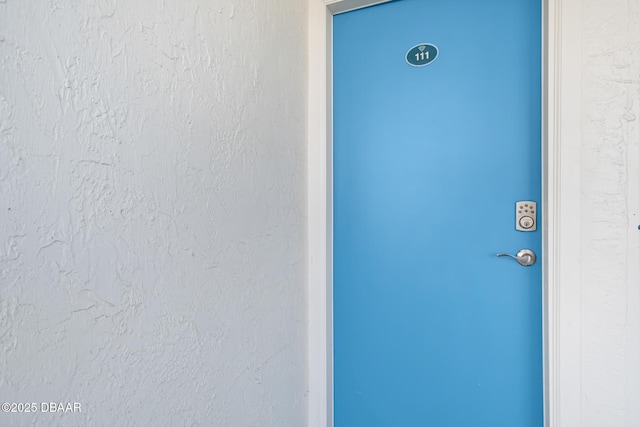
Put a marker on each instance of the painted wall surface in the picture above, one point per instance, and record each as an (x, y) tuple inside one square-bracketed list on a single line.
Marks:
[(153, 211), (610, 214)]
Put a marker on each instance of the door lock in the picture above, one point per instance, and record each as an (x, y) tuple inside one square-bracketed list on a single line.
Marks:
[(526, 216), (526, 257)]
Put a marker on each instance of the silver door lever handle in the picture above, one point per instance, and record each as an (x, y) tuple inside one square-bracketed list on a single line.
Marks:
[(526, 257)]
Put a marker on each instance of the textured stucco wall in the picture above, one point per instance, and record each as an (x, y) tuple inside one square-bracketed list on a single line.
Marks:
[(152, 211), (610, 255)]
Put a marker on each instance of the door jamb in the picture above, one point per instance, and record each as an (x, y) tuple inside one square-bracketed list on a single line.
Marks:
[(561, 130)]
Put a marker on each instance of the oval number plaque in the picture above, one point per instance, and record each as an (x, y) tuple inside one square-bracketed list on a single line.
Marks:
[(422, 54)]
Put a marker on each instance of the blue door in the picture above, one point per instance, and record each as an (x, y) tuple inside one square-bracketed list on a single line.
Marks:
[(431, 328)]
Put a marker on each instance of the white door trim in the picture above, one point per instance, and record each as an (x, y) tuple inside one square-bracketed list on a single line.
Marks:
[(562, 73)]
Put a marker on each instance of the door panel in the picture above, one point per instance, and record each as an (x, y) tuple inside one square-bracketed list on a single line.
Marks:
[(430, 327)]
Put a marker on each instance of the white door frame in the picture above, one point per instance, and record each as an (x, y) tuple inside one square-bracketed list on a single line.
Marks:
[(562, 82)]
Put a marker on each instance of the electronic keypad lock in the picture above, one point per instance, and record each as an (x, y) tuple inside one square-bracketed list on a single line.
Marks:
[(526, 212)]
